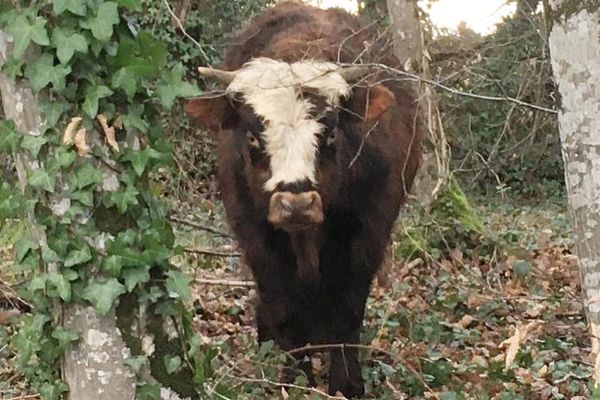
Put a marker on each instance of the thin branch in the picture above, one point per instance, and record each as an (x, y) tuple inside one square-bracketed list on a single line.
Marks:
[(362, 144), (287, 385), (201, 227), (455, 91), (343, 346), (226, 282), (213, 253), (187, 35)]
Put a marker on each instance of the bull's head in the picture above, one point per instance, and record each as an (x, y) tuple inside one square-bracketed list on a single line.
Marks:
[(286, 116)]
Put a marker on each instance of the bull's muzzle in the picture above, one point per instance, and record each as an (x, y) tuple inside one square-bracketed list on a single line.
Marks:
[(295, 211)]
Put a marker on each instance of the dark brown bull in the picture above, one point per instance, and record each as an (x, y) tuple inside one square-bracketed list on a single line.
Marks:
[(314, 163)]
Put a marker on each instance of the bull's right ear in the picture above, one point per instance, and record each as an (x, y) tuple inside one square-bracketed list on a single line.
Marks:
[(214, 114)]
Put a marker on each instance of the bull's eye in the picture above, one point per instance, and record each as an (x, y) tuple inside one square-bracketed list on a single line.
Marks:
[(330, 138), (252, 140)]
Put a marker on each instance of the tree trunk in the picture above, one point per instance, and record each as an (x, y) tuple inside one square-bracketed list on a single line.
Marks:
[(575, 55), (409, 49), (93, 367)]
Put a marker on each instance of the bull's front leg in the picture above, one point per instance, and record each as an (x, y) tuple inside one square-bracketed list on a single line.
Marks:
[(345, 371)]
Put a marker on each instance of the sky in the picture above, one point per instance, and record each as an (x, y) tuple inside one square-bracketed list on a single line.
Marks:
[(480, 15)]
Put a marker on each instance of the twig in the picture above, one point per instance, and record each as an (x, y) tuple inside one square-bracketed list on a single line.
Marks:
[(367, 347), (200, 227), (214, 253), (187, 35), (455, 91), (287, 385), (362, 144), (226, 282)]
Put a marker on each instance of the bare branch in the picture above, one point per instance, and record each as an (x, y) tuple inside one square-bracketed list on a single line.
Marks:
[(187, 35), (214, 253), (225, 282), (437, 84), (201, 227)]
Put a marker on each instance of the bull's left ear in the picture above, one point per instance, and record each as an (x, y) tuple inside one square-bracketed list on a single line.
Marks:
[(372, 102)]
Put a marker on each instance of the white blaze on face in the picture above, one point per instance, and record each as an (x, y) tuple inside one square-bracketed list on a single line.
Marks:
[(271, 88)]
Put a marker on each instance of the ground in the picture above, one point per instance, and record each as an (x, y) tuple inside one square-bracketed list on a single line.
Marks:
[(471, 322)]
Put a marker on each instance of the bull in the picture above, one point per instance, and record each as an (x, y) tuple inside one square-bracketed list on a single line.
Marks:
[(315, 160)]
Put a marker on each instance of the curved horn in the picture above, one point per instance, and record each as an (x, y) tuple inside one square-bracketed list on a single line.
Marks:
[(223, 76), (355, 72)]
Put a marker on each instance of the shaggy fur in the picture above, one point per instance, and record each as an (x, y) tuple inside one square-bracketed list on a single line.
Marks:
[(366, 154)]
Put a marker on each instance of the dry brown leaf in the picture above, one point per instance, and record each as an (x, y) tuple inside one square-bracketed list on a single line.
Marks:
[(70, 131), (81, 142), (109, 132), (514, 342), (5, 316)]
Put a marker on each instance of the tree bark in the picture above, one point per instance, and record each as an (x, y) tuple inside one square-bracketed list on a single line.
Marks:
[(408, 39), (93, 367), (409, 48), (575, 55)]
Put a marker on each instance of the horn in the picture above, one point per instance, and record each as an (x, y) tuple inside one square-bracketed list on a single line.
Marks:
[(354, 72), (223, 76)]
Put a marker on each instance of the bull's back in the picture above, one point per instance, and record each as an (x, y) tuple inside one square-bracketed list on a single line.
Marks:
[(292, 31)]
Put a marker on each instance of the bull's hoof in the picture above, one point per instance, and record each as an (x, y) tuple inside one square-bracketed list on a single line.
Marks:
[(348, 389)]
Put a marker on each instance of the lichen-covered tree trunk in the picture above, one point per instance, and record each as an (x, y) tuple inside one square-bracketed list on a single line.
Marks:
[(409, 49), (575, 53), (93, 367)]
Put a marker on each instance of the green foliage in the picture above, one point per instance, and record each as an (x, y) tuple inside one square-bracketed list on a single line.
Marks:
[(107, 237), (498, 146)]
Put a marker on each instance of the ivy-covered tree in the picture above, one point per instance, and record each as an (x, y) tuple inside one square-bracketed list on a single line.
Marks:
[(107, 302)]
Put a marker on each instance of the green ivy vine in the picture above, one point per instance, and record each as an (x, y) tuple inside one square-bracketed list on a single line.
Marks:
[(103, 85)]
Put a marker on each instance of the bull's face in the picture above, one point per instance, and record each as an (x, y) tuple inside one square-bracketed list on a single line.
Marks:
[(285, 120)]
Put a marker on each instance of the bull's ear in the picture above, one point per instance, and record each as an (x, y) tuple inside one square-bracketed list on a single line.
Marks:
[(214, 114), (380, 100), (372, 102)]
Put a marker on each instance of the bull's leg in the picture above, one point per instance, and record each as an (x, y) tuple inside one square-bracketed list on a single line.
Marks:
[(345, 371)]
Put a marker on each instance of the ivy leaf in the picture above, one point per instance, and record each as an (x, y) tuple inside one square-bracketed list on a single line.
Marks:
[(53, 110), (123, 199), (67, 43), (65, 336), (93, 94), (139, 159), (85, 176), (53, 391), (40, 178), (133, 119), (12, 67), (135, 362), (103, 295), (33, 144), (174, 86), (78, 256), (133, 5), (61, 284), (42, 71), (85, 197), (136, 275), (65, 157), (24, 32), (171, 363), (102, 24), (178, 285), (75, 6), (9, 137), (125, 78)]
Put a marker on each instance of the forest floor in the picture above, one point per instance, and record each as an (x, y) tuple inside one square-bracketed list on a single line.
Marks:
[(461, 321)]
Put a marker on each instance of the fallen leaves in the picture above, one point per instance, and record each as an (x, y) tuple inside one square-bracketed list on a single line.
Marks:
[(514, 342)]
